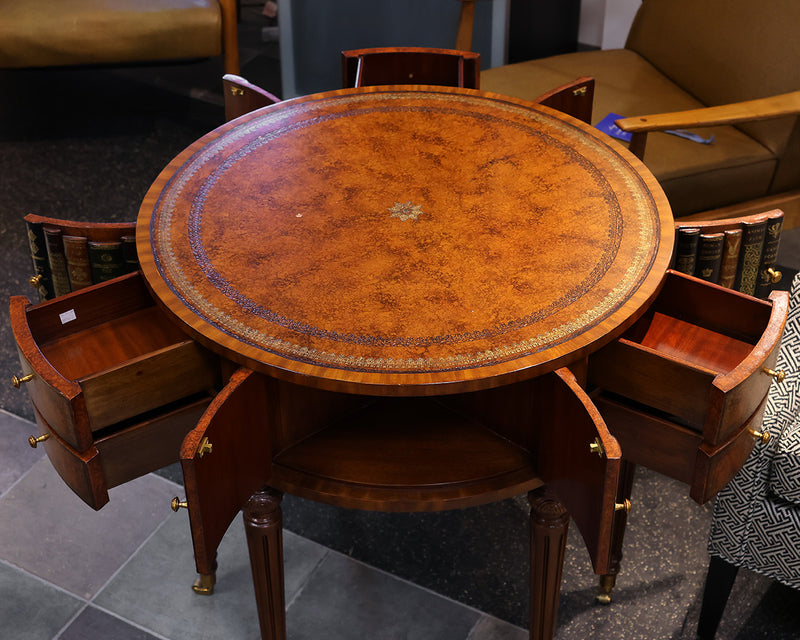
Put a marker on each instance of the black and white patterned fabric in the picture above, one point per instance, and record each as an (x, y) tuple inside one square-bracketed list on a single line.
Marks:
[(756, 523)]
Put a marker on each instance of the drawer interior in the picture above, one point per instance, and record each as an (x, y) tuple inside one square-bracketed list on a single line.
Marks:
[(706, 348), (103, 346)]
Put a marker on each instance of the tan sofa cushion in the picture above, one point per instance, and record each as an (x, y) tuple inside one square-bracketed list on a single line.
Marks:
[(724, 51), (694, 176), (70, 32)]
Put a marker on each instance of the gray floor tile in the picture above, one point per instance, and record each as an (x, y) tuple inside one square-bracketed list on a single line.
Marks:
[(347, 600), (16, 455), (161, 573), (47, 530), (31, 609), (489, 628), (93, 624)]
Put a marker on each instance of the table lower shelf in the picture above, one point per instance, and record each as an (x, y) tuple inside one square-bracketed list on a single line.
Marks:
[(416, 455)]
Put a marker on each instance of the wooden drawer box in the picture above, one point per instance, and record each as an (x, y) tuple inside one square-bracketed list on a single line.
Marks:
[(114, 383), (126, 452), (694, 371), (105, 354)]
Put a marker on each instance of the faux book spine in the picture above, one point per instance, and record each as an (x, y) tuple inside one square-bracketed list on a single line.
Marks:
[(767, 276), (76, 250), (730, 257), (709, 256), (58, 262), (686, 249), (41, 264), (106, 260), (750, 255)]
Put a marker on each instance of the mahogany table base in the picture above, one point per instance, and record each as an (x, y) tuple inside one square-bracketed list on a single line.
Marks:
[(548, 537)]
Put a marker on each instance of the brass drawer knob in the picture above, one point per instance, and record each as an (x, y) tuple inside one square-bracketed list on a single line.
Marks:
[(36, 280), (18, 382), (177, 504), (779, 376), (774, 275), (763, 436), (623, 506), (34, 441)]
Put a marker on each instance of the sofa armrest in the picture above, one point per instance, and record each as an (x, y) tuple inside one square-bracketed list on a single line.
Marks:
[(787, 104)]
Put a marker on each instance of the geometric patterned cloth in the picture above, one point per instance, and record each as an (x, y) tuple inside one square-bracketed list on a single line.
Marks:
[(756, 522)]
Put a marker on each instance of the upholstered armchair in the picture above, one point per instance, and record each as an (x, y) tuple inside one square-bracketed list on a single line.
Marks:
[(685, 55), (756, 522), (43, 33)]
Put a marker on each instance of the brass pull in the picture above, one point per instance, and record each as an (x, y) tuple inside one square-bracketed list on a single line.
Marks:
[(774, 276), (580, 91), (204, 448), (763, 436), (36, 280), (177, 504), (623, 506), (17, 382), (34, 441), (597, 447), (780, 376)]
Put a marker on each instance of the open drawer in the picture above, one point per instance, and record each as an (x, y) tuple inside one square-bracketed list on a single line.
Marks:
[(105, 361), (104, 354), (696, 368)]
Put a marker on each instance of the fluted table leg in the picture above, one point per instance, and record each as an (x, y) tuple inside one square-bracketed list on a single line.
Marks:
[(263, 526), (549, 525)]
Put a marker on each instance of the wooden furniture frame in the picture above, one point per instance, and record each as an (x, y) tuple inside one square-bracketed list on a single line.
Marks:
[(411, 65), (676, 369), (243, 97)]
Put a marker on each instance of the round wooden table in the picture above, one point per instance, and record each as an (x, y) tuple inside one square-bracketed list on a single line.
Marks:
[(414, 241), (405, 242)]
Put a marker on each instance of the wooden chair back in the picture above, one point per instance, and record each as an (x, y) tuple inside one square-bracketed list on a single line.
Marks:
[(410, 65), (574, 98), (243, 97)]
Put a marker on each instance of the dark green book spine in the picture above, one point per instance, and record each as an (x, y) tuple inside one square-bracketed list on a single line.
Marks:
[(129, 253), (41, 264), (106, 260), (750, 255), (58, 261), (686, 244), (769, 256)]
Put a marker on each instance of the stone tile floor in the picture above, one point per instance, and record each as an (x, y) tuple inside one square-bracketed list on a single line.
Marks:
[(124, 572)]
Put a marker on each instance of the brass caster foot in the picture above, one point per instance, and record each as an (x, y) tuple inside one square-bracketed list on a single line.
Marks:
[(204, 585), (606, 587)]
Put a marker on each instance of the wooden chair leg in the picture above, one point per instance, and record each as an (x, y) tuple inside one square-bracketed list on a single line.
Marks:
[(263, 525), (721, 576), (624, 491), (549, 525)]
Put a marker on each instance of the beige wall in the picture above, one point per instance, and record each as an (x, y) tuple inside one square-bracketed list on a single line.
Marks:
[(605, 23)]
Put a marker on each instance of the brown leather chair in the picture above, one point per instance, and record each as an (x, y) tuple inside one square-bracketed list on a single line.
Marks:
[(42, 33), (685, 55)]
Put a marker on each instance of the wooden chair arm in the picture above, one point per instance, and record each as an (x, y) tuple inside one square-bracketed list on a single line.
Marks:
[(786, 104)]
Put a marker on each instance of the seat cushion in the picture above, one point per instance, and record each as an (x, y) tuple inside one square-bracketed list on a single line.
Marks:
[(694, 177), (785, 473), (37, 33)]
